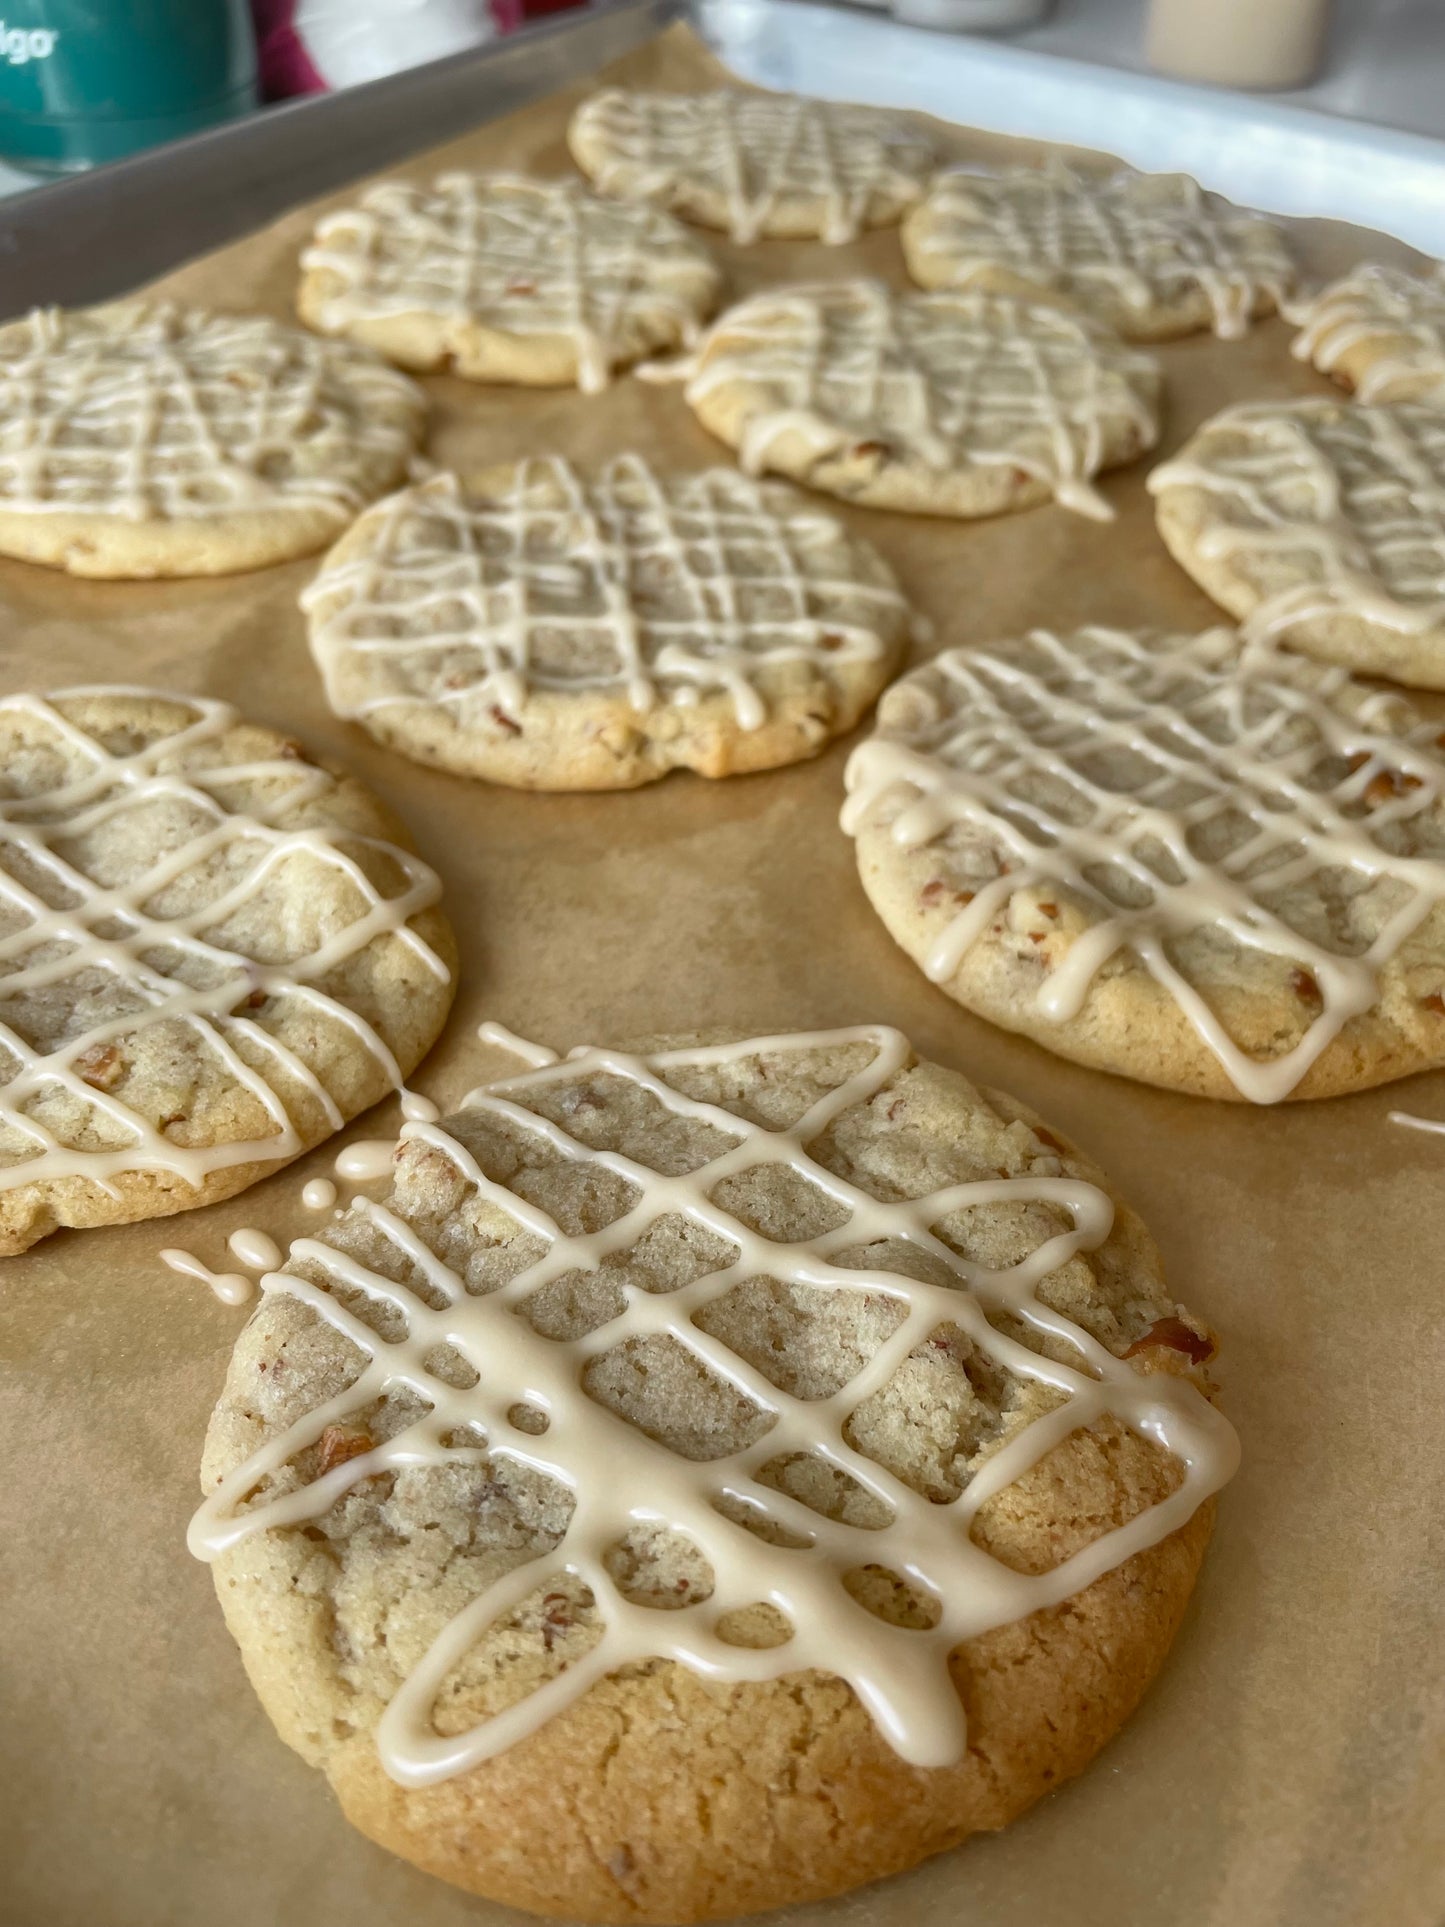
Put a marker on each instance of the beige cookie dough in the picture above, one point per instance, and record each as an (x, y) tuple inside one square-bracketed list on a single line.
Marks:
[(506, 279), (213, 952), (555, 631), (1149, 255), (757, 166), (677, 1263), (145, 439), (1321, 525), (1379, 332), (1212, 868), (961, 404)]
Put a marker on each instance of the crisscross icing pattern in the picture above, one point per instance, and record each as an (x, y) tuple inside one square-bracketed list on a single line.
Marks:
[(1136, 238), (951, 380), (620, 1477), (1351, 497), (634, 584), (525, 257), (1170, 786), (758, 152), (1375, 305), (158, 412), (132, 966)]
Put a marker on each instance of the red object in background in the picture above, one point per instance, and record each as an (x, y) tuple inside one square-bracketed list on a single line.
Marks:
[(534, 9), (286, 67)]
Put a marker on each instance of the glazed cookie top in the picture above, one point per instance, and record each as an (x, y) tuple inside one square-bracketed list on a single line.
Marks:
[(1147, 253), (148, 412), (1342, 506), (646, 588), (530, 259), (1214, 815), (677, 1308), (1379, 331), (202, 934), (755, 164), (946, 381)]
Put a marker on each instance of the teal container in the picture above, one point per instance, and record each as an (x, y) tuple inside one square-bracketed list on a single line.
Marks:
[(85, 81)]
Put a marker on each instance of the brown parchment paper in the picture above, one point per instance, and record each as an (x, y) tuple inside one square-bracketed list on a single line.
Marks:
[(1288, 1769)]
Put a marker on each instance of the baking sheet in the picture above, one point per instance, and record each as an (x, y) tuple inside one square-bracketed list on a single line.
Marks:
[(1288, 1768)]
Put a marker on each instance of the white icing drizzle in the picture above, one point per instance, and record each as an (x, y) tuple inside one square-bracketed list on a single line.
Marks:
[(658, 589), (1435, 1125), (1352, 497), (950, 380), (367, 1160), (1141, 238), (231, 1287), (1005, 749), (526, 258), (157, 412), (60, 925), (318, 1194), (1376, 305), (535, 1055), (761, 153), (619, 1477), (254, 1248)]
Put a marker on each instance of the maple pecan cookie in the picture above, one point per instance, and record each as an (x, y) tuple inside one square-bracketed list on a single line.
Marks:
[(1319, 524), (782, 1430), (506, 279), (1149, 255), (758, 166), (1216, 868), (214, 952), (963, 403), (146, 439), (540, 628)]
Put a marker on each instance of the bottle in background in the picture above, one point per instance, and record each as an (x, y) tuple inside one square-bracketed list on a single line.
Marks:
[(1238, 43)]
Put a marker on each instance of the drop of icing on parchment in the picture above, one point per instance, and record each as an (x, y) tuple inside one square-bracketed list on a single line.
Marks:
[(254, 1248), (367, 1160), (619, 1475), (1434, 1125), (1239, 776), (229, 1286), (951, 380), (318, 1194), (180, 970)]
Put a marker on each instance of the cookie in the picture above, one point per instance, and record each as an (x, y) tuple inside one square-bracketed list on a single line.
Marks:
[(1212, 867), (537, 629), (213, 952), (939, 404), (1319, 524), (1379, 332), (504, 279), (757, 166), (1149, 255), (144, 439), (715, 1477)]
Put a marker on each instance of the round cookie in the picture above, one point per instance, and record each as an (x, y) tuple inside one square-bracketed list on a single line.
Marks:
[(1149, 255), (938, 404), (505, 279), (143, 439), (1319, 524), (1379, 332), (536, 1597), (757, 166), (537, 629), (214, 953), (1216, 868)]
